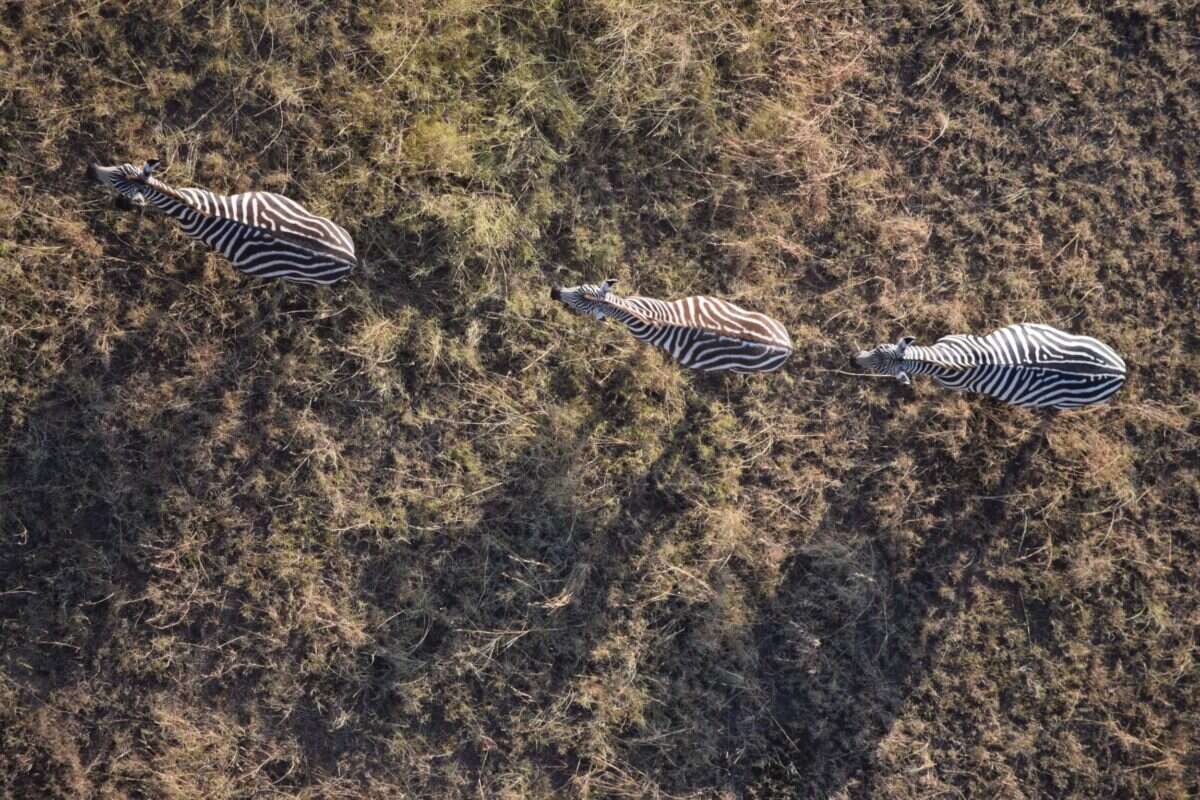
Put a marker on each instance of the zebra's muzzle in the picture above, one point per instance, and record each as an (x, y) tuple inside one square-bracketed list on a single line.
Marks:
[(555, 293), (91, 174)]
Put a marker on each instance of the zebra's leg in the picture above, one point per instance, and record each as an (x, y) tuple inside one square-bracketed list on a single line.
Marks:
[(1048, 416)]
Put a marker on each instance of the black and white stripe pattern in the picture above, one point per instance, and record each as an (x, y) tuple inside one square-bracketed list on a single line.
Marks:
[(265, 235), (1035, 366), (701, 333)]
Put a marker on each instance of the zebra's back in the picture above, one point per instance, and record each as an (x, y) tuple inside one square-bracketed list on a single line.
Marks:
[(267, 235), (1031, 365)]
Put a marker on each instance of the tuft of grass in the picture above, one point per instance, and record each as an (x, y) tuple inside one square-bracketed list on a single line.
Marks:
[(438, 147)]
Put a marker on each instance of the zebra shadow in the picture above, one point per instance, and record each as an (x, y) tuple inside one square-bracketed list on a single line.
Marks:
[(527, 595), (88, 469), (840, 680), (79, 483), (539, 594)]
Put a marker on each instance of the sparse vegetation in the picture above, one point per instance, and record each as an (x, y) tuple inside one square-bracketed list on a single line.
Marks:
[(426, 535)]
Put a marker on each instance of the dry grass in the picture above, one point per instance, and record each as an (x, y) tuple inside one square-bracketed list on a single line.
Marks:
[(426, 535)]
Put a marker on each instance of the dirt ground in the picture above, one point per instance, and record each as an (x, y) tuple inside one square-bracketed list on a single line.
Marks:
[(425, 534)]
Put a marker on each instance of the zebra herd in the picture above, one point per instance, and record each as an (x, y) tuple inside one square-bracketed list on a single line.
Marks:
[(267, 235)]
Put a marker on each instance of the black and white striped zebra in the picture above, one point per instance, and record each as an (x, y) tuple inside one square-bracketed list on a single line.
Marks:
[(1036, 366), (701, 333), (265, 235)]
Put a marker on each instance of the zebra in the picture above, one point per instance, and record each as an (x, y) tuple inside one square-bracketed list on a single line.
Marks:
[(702, 333), (1029, 365), (265, 235)]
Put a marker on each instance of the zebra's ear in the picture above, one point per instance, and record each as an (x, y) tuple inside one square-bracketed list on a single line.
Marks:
[(608, 285), (903, 378), (150, 166), (902, 344)]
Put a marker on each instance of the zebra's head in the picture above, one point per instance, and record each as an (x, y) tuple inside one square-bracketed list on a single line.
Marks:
[(586, 299), (886, 359), (128, 181)]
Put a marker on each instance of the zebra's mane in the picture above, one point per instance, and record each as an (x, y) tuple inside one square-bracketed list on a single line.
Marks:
[(165, 188), (621, 304)]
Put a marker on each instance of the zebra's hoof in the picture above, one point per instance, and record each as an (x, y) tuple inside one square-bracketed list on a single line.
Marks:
[(555, 294)]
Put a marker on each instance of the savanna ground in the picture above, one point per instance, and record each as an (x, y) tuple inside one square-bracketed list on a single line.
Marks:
[(425, 534)]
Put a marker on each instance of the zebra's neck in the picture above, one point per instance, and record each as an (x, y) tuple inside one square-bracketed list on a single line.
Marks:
[(168, 199), (636, 313)]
